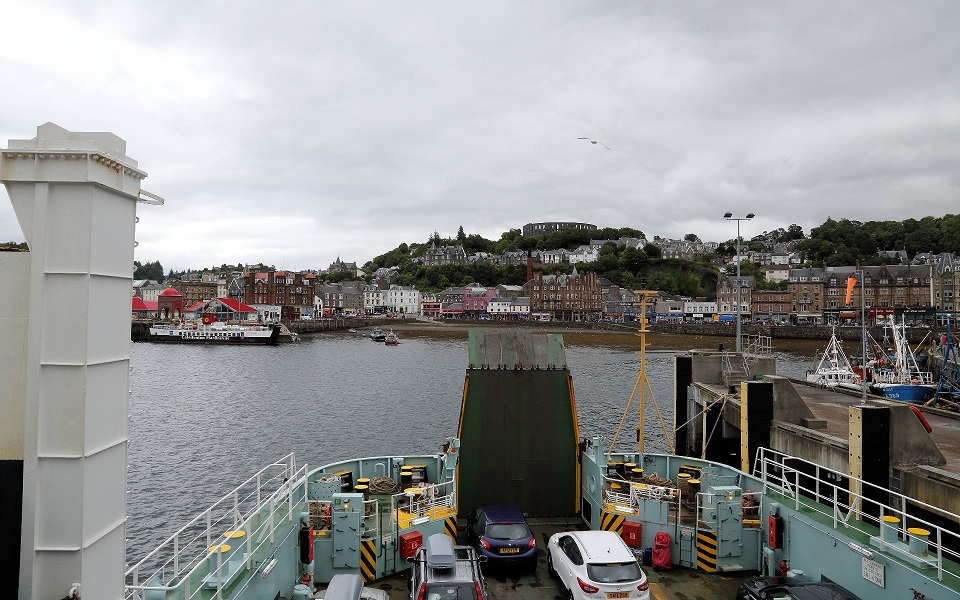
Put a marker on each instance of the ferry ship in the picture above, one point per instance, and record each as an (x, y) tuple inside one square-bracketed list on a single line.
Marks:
[(739, 506), (192, 332)]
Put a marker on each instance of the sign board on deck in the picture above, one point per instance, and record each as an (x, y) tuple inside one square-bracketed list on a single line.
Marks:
[(872, 571)]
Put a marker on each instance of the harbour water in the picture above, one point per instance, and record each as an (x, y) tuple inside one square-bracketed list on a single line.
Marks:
[(203, 418)]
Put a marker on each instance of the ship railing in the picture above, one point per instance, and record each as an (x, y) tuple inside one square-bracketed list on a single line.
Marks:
[(758, 344), (892, 376), (249, 519), (429, 502), (370, 523), (850, 503), (631, 497)]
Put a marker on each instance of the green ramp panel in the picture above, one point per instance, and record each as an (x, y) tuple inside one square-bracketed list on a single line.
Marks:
[(518, 425)]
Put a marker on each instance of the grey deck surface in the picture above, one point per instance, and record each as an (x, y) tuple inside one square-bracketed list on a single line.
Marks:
[(833, 407), (677, 584)]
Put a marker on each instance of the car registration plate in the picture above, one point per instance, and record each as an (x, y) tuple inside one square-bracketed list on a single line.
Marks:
[(618, 594), (509, 550)]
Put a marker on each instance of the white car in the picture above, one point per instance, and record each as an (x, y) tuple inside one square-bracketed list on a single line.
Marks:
[(596, 565)]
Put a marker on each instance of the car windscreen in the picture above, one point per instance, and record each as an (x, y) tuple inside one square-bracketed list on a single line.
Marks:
[(507, 531), (450, 591), (614, 572)]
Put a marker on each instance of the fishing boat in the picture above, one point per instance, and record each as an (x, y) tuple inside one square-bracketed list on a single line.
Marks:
[(391, 338), (193, 332), (899, 377), (378, 335), (834, 369)]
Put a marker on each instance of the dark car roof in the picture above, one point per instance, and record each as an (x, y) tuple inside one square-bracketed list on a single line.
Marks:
[(802, 590), (503, 513)]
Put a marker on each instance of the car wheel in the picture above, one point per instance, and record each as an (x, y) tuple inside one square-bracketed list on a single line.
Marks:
[(550, 569)]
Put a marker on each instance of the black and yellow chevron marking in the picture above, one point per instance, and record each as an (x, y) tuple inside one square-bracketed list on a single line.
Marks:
[(368, 560), (450, 527), (707, 551), (611, 522)]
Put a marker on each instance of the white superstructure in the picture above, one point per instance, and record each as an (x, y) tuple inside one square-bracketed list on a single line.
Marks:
[(64, 363)]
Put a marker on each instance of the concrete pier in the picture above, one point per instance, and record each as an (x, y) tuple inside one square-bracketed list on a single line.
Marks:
[(878, 440)]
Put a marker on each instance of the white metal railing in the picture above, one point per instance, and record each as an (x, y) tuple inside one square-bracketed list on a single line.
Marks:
[(370, 524), (431, 500), (634, 494), (846, 506), (758, 344), (260, 507)]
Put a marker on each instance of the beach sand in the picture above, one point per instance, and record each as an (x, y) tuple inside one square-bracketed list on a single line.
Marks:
[(573, 336)]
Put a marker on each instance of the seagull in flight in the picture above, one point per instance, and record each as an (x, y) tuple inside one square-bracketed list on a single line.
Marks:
[(594, 142)]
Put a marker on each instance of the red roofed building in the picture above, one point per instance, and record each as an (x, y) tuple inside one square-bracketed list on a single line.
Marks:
[(193, 311), (144, 311), (224, 310), (170, 304)]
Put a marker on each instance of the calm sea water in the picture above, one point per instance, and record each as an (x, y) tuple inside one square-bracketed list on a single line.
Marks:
[(204, 418)]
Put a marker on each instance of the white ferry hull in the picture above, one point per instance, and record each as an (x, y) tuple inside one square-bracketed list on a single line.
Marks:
[(256, 335)]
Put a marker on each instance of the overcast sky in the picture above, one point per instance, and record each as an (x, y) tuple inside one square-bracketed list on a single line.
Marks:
[(293, 133)]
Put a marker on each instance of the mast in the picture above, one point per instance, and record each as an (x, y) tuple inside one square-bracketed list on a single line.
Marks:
[(863, 337), (643, 383)]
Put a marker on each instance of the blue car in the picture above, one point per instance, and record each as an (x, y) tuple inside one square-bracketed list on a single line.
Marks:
[(501, 534)]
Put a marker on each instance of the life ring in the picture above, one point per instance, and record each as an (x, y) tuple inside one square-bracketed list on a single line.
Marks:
[(923, 420)]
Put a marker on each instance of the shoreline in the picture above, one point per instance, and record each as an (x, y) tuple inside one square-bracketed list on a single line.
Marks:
[(585, 336)]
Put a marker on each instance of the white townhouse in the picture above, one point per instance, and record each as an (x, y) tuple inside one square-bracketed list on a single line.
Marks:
[(520, 307), (499, 308), (372, 298), (583, 254), (554, 257), (148, 290), (404, 299), (699, 311)]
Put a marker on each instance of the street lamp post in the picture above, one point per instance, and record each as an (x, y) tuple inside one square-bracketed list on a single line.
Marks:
[(729, 216)]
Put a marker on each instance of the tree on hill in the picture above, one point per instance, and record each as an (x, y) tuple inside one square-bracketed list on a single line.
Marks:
[(339, 276), (150, 270), (844, 241), (474, 243), (675, 279), (508, 241)]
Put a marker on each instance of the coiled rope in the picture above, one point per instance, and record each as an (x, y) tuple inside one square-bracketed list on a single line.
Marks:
[(384, 486)]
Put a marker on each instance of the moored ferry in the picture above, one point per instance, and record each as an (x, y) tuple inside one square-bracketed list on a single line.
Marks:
[(193, 332)]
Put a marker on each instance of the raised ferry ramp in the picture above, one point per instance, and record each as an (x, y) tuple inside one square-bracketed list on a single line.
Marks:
[(518, 425)]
